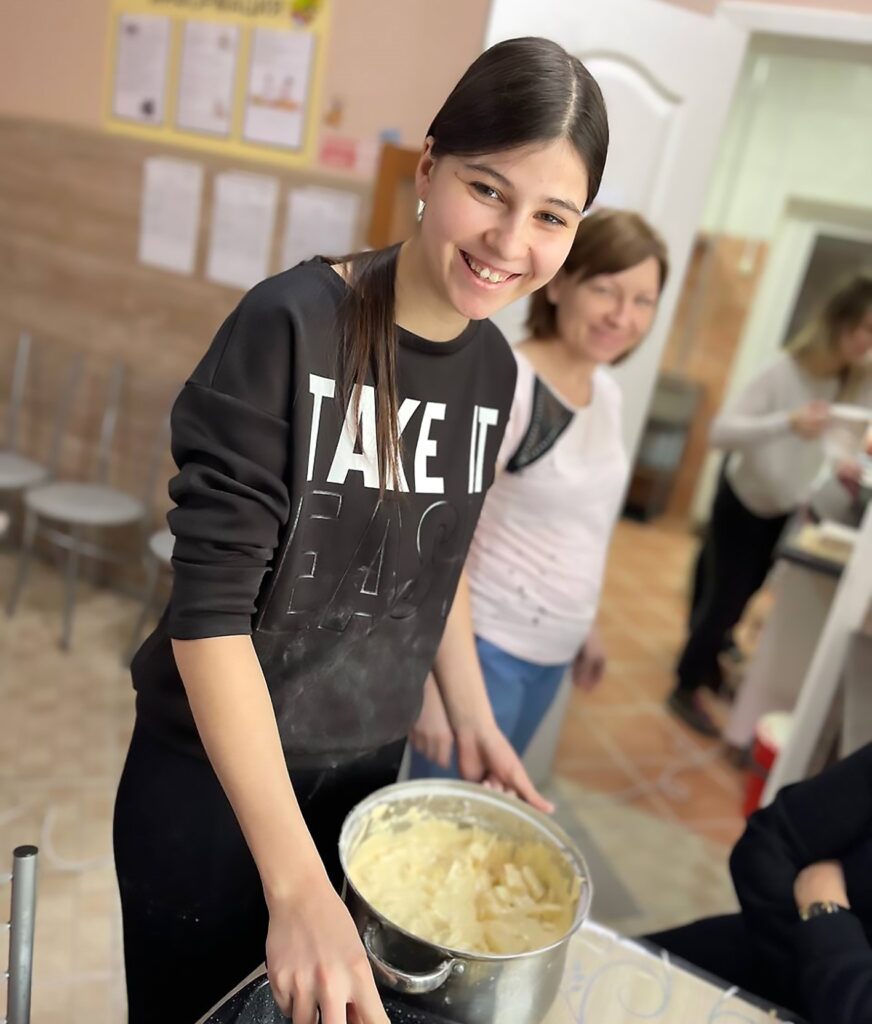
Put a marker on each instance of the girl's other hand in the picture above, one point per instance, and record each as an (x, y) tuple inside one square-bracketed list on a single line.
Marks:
[(315, 959), (485, 755), (589, 666), (432, 734)]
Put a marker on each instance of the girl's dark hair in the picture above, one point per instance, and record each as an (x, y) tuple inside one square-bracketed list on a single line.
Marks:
[(518, 92), (607, 242)]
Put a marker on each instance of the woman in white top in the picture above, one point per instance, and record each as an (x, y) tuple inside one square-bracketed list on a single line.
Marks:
[(537, 559), (772, 433)]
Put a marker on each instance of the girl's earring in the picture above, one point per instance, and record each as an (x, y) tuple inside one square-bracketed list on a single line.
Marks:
[(420, 213)]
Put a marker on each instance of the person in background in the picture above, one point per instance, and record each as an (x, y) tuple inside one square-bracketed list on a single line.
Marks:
[(537, 560), (334, 446), (841, 496), (801, 872), (771, 432)]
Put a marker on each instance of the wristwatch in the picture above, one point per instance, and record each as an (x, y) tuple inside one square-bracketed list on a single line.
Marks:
[(819, 908)]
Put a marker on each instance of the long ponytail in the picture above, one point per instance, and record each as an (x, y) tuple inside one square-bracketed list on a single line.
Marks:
[(368, 350)]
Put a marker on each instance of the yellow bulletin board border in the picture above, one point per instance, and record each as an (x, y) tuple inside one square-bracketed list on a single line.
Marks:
[(248, 15)]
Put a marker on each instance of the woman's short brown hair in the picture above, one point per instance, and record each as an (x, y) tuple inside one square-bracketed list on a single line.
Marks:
[(607, 242)]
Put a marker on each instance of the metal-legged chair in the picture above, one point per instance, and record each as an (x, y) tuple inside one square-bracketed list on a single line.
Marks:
[(17, 470), (67, 513)]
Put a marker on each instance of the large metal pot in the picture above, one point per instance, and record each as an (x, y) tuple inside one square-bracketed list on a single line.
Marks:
[(464, 987)]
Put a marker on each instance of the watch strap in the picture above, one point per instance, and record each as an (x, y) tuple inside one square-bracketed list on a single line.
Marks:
[(820, 908)]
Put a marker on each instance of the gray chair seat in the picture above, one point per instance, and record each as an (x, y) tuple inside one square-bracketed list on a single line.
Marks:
[(91, 506), (160, 548), (84, 504), (160, 544), (17, 472)]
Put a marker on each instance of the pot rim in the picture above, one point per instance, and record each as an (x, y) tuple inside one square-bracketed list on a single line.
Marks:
[(560, 840)]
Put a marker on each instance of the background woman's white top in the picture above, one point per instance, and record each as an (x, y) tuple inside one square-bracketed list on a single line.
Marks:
[(771, 469), (538, 556)]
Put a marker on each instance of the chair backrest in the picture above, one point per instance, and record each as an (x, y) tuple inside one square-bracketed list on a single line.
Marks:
[(63, 408), (16, 395), (61, 399), (114, 428), (131, 444), (109, 423), (158, 454)]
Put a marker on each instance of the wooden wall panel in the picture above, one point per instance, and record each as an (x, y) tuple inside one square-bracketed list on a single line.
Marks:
[(69, 274), (716, 332)]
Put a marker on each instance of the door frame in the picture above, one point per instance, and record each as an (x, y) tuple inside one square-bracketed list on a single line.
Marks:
[(803, 22)]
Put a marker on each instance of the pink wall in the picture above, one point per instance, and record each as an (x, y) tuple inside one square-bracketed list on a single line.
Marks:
[(393, 62), (52, 66), (389, 62)]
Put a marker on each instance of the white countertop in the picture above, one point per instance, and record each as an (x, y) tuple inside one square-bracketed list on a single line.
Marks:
[(612, 980)]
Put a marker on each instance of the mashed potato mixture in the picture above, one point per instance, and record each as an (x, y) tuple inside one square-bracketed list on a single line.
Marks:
[(465, 887)]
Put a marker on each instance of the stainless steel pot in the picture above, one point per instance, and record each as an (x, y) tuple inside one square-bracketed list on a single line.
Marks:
[(465, 987)]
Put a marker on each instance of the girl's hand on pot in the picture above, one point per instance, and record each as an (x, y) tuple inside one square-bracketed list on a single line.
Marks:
[(316, 963), (485, 755)]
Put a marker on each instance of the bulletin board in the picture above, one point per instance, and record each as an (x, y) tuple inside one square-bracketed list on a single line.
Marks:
[(238, 77)]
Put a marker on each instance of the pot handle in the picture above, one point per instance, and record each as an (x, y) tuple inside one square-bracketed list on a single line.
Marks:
[(403, 981)]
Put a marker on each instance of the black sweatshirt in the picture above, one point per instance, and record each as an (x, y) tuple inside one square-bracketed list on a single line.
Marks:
[(280, 531), (827, 961)]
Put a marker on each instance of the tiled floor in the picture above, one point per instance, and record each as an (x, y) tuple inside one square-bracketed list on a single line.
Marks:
[(620, 739), (634, 778), (64, 724)]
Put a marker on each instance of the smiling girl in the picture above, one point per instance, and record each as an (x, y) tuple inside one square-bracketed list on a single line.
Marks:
[(537, 560), (334, 446)]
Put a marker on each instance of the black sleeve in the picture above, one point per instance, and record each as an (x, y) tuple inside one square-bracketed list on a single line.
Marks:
[(230, 436), (824, 818), (834, 969)]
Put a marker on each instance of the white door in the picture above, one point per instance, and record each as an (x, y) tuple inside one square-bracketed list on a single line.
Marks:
[(668, 76)]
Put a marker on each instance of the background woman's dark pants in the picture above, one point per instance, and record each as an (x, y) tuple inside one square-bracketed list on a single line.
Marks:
[(735, 559), (192, 904)]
